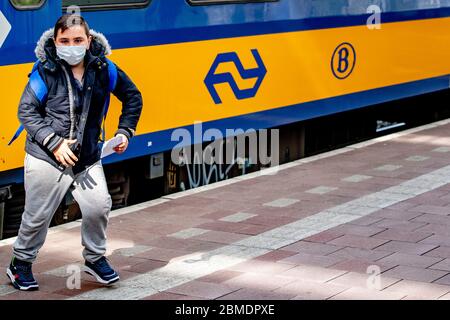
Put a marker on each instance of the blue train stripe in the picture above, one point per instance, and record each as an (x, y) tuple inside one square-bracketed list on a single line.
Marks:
[(141, 38)]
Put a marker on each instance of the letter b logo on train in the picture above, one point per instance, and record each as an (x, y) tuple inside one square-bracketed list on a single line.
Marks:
[(343, 61)]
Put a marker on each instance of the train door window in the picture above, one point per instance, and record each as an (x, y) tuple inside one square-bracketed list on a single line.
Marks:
[(105, 4), (204, 2), (27, 4)]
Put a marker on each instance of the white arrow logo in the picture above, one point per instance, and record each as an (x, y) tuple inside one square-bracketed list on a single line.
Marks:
[(5, 28)]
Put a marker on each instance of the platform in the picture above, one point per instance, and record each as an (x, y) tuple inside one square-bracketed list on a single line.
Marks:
[(369, 221)]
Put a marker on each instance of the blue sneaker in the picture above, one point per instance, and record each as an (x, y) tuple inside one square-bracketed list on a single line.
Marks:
[(21, 276), (102, 271)]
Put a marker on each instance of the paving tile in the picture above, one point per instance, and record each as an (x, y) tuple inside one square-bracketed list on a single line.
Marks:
[(202, 289), (145, 266), (35, 295), (275, 255), (361, 254), (403, 235), (220, 237), (86, 284), (258, 281), (356, 178), (410, 260), (365, 221), (416, 274), (439, 252), (407, 247), (249, 294), (443, 265), (263, 242), (312, 273), (360, 265), (312, 248), (367, 294), (165, 296), (324, 236), (437, 240), (419, 289), (321, 190), (51, 284), (401, 206), (311, 259), (263, 267), (364, 231), (431, 209), (445, 280), (436, 229), (364, 280), (238, 217), (358, 242), (445, 297), (220, 276), (43, 265), (281, 203), (388, 167), (433, 219), (131, 251), (188, 233), (6, 289), (64, 271), (395, 214), (253, 230), (272, 220), (309, 290), (399, 224), (163, 254), (417, 158), (441, 149)]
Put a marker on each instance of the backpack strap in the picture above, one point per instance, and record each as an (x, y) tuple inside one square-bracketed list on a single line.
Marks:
[(112, 72), (40, 90)]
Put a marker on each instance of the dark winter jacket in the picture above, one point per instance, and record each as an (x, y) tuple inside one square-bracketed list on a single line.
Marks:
[(48, 123)]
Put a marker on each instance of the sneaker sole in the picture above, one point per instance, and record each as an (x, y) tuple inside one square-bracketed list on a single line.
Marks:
[(32, 287), (97, 277)]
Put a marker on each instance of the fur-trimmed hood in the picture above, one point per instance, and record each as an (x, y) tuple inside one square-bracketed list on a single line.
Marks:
[(46, 51)]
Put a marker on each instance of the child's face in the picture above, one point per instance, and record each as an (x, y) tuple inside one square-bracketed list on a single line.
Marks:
[(73, 36)]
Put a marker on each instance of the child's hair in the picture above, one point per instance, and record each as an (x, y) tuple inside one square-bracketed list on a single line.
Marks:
[(69, 20)]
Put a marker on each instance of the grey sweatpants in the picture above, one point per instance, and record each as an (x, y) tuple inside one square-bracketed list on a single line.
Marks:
[(45, 188)]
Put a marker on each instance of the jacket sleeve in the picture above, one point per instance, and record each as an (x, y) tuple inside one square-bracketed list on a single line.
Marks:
[(34, 123), (131, 98)]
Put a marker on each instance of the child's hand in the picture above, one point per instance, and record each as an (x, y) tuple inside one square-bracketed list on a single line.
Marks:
[(122, 146)]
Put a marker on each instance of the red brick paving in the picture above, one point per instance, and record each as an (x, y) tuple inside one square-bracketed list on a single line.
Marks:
[(409, 241)]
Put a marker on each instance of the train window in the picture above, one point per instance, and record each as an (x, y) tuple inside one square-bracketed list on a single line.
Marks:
[(105, 4), (27, 4), (205, 2)]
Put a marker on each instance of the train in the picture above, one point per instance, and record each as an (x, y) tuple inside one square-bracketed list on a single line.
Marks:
[(247, 64)]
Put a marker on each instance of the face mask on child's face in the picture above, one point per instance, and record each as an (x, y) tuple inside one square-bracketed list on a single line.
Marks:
[(73, 55)]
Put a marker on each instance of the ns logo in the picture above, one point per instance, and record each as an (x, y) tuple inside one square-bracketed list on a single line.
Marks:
[(213, 78), (343, 61)]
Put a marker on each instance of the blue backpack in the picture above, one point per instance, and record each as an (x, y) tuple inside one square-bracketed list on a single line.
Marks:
[(40, 90)]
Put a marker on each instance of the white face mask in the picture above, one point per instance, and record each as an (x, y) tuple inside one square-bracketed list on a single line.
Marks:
[(73, 55)]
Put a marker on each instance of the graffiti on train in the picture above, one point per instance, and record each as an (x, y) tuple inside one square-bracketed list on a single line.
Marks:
[(234, 151)]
